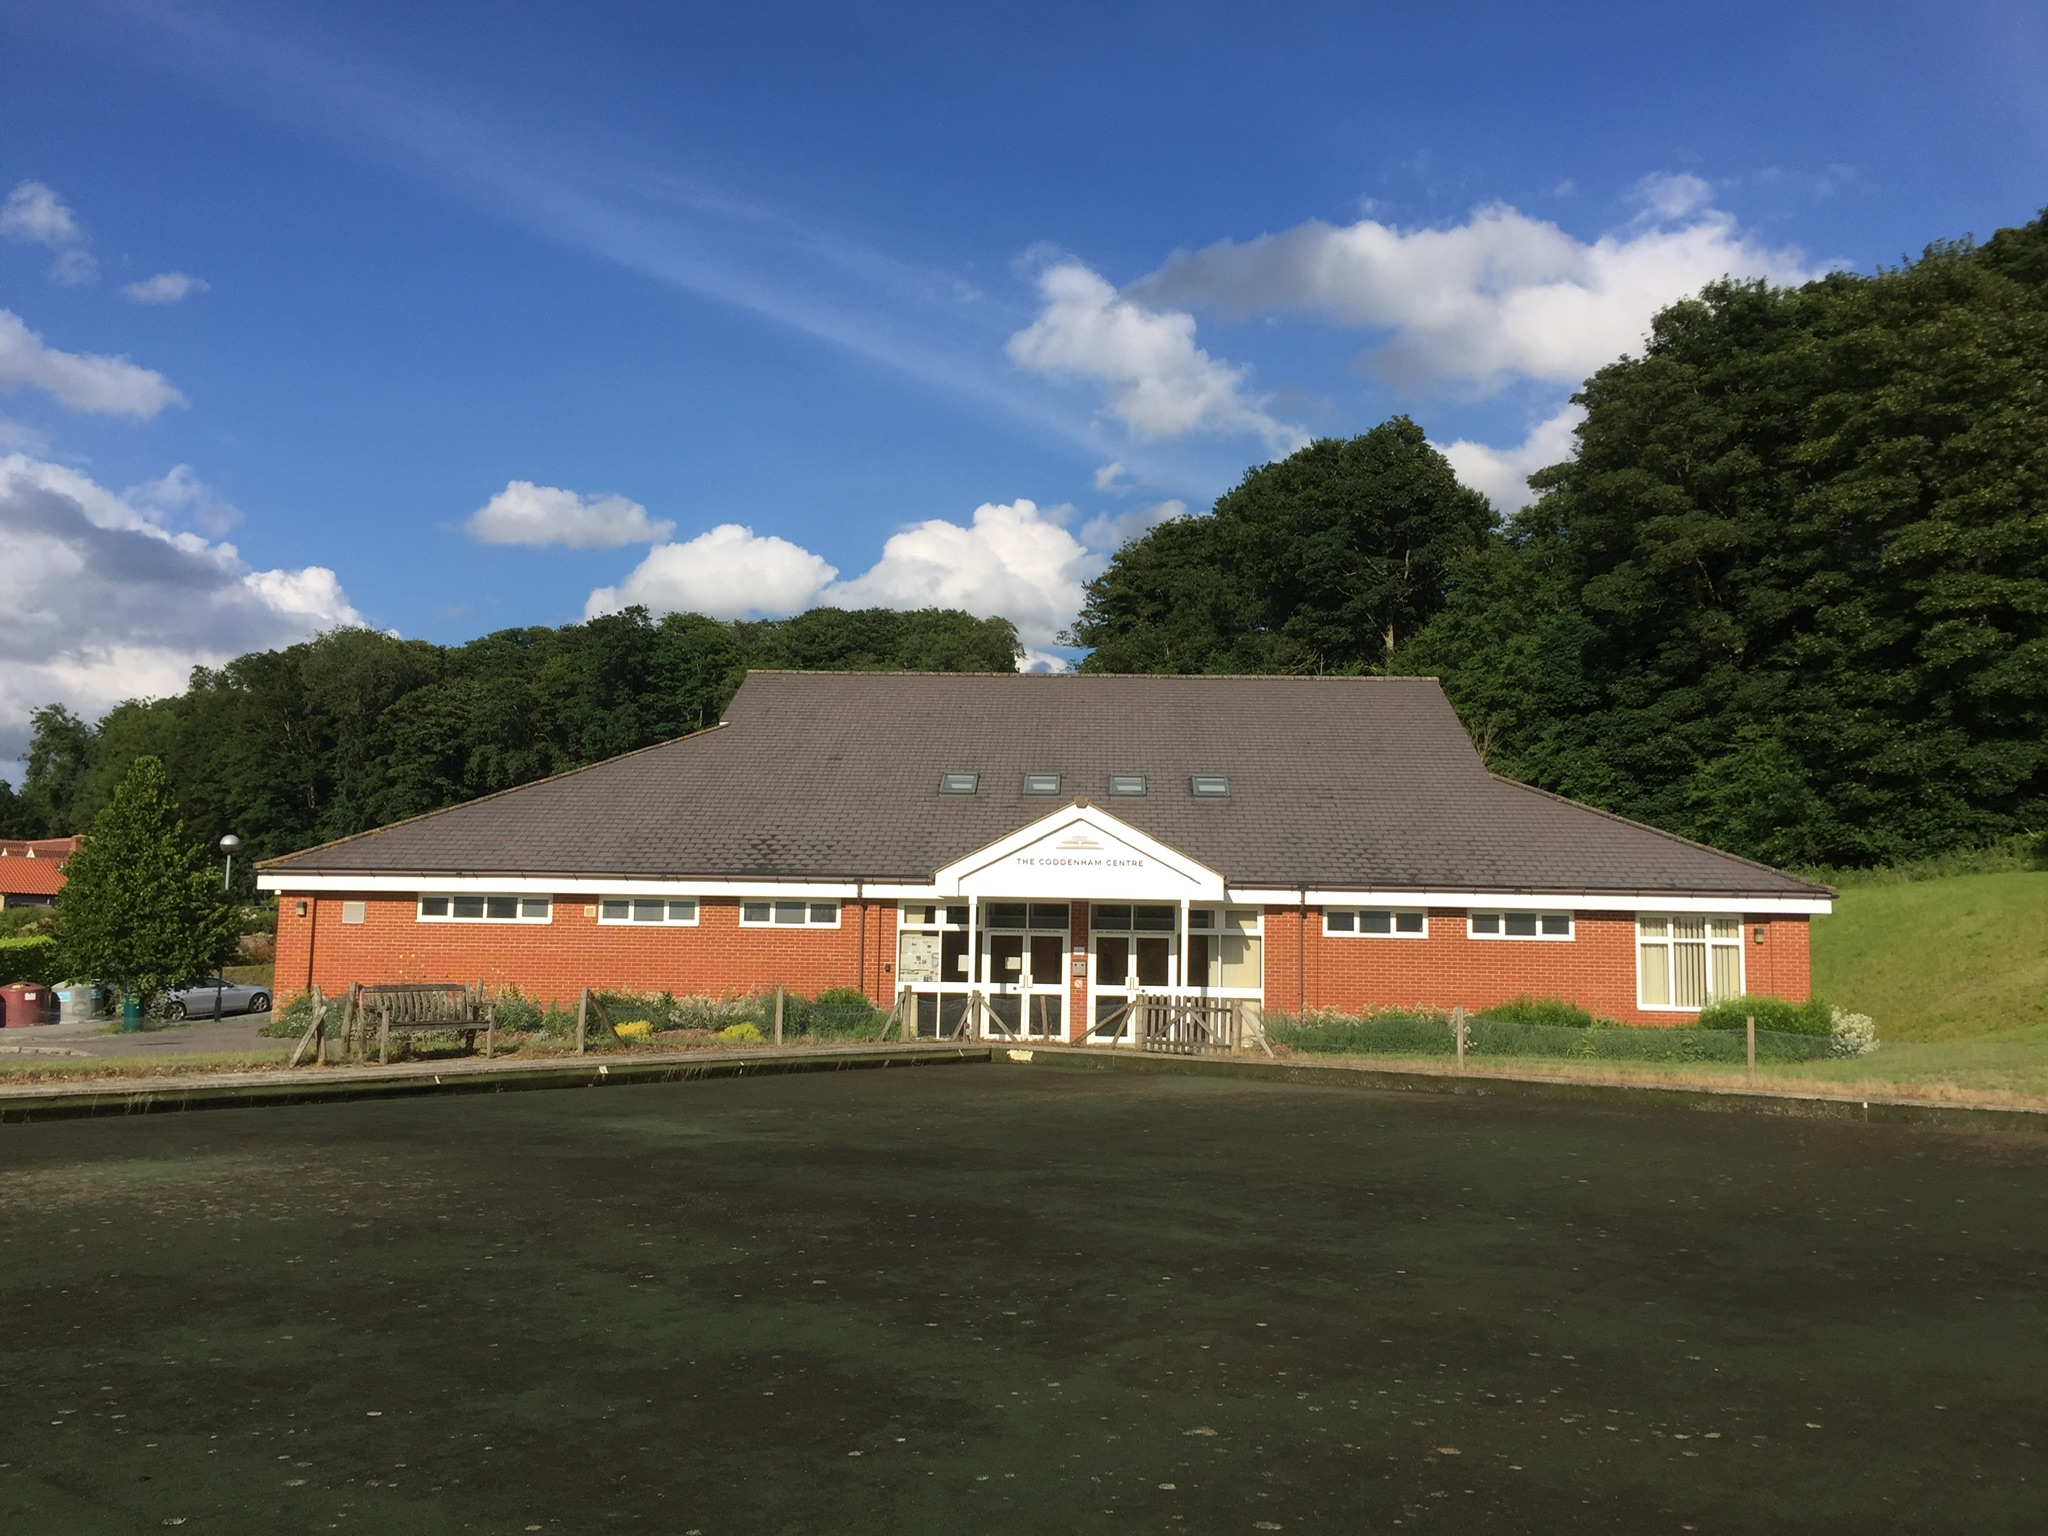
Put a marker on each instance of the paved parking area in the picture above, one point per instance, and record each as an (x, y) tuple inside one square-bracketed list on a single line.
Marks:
[(237, 1032)]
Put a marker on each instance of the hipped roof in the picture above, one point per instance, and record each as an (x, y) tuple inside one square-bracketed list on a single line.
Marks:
[(1335, 783)]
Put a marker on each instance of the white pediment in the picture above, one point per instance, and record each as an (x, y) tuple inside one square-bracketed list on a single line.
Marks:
[(1081, 853)]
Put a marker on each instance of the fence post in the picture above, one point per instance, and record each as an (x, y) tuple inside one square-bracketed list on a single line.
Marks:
[(778, 1015), (1458, 1029), (582, 1019), (1750, 1029)]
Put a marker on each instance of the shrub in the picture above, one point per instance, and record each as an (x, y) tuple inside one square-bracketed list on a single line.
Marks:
[(1855, 1034), (18, 922), (843, 997), (32, 958), (1552, 1011), (288, 1020), (1813, 1017), (743, 1033), (520, 1014), (1325, 1032)]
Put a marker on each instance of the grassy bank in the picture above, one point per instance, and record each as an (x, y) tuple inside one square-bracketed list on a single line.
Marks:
[(1963, 957)]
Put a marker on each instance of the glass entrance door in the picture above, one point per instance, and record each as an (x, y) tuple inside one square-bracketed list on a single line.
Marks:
[(1023, 968), (1131, 949)]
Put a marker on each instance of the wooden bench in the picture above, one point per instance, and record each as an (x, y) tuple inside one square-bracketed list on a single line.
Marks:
[(427, 1008)]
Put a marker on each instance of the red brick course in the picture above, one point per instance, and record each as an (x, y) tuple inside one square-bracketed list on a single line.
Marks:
[(551, 962), (1595, 968)]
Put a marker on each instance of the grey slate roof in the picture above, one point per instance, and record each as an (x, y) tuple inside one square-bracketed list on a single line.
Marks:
[(1335, 783)]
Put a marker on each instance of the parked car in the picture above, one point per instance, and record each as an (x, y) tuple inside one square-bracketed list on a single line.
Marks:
[(212, 996)]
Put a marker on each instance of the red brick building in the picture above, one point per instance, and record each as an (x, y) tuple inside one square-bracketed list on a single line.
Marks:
[(1054, 845)]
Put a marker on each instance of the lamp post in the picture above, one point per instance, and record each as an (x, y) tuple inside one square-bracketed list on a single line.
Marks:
[(228, 845)]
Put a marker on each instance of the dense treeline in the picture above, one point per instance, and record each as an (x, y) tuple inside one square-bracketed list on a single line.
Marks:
[(1790, 596), (356, 729)]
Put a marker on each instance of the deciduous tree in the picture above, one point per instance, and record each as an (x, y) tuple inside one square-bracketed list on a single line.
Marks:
[(142, 907)]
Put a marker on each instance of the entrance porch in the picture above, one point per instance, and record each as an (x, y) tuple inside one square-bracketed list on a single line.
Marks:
[(1167, 975)]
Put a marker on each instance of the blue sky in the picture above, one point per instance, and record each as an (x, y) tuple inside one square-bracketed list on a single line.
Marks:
[(447, 317)]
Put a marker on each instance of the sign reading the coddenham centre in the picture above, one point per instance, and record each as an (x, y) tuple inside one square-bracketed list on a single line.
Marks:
[(1085, 856)]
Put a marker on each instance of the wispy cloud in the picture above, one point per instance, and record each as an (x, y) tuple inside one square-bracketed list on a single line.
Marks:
[(923, 323), (109, 386), (35, 215), (165, 288)]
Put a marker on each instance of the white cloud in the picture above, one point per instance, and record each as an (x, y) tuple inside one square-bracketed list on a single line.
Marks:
[(19, 435), (35, 215), (104, 604), (75, 268), (1113, 530), (165, 288), (730, 572), (1668, 195), (1501, 475), (1159, 383), (181, 493), (525, 513), (1498, 297), (112, 386), (1013, 560), (1112, 477)]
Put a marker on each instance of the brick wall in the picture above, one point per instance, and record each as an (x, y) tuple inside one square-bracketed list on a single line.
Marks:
[(552, 962), (1596, 968)]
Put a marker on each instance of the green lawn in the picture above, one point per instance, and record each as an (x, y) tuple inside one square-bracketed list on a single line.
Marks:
[(1953, 959)]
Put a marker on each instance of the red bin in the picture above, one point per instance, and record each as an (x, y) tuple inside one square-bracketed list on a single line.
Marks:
[(27, 1002)]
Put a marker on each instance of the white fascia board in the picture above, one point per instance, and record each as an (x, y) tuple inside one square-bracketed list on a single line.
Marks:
[(1543, 901), (554, 885), (1026, 863)]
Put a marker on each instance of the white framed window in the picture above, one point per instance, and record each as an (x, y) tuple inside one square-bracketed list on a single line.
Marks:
[(487, 909), (1686, 960), (647, 909), (1224, 919), (1374, 923), (1556, 926), (932, 914), (1224, 950), (789, 914)]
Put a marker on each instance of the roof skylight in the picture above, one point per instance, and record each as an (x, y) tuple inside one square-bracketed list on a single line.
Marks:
[(1210, 786), (959, 783), (1041, 783), (1127, 783)]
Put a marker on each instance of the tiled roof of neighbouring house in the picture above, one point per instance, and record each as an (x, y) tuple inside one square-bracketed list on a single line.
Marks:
[(39, 876), (1341, 783)]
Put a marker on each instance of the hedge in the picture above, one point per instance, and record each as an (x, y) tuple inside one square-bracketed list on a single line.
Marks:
[(31, 958)]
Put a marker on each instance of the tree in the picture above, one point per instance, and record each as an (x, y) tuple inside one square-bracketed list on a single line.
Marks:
[(59, 757), (1326, 561), (141, 906), (1791, 594), (17, 816), (355, 729)]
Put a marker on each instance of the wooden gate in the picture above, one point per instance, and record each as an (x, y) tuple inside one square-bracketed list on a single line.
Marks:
[(1189, 1026)]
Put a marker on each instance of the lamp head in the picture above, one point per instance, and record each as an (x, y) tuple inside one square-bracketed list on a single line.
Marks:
[(230, 843)]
